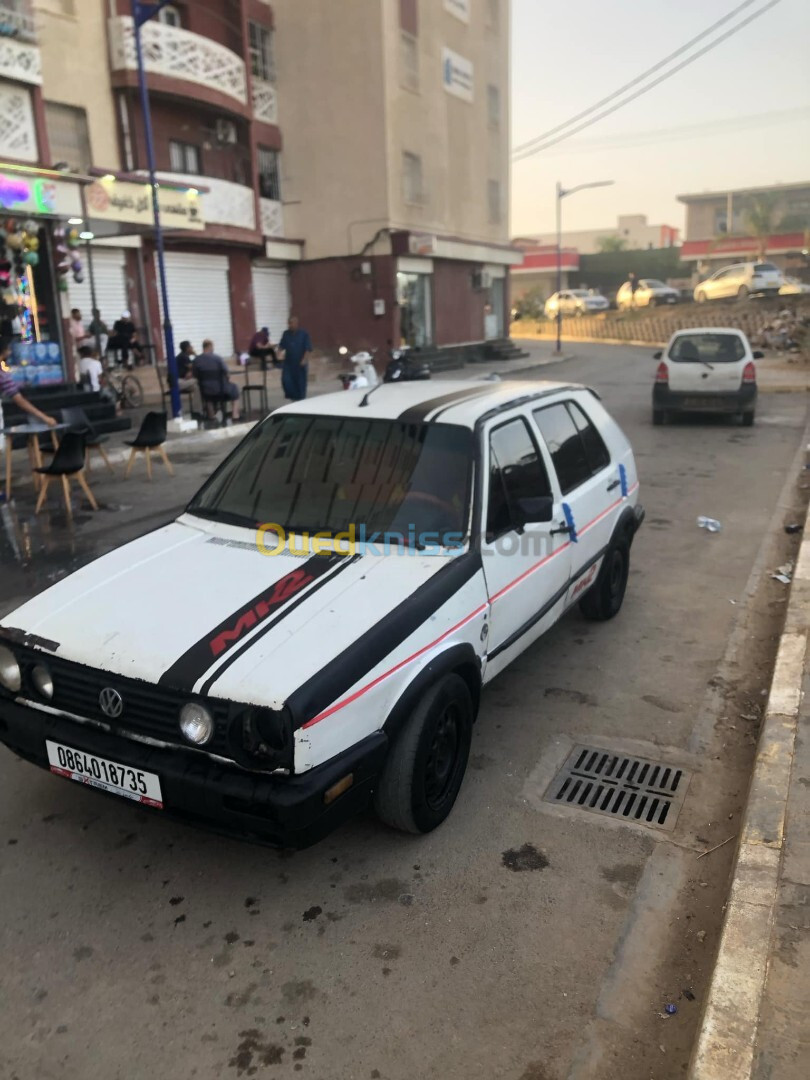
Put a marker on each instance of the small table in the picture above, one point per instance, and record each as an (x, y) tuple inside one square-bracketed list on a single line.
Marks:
[(32, 432)]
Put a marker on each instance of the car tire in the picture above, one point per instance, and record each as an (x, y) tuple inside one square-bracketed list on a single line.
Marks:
[(748, 419), (652, 302), (604, 599), (700, 297), (742, 292), (658, 417), (424, 769)]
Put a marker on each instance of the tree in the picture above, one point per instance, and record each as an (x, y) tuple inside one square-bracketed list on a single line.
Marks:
[(611, 243), (759, 218)]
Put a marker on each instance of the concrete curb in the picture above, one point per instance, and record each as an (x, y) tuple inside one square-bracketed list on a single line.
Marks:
[(725, 1046)]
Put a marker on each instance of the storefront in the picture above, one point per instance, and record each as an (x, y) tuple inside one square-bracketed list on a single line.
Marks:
[(414, 289), (39, 250)]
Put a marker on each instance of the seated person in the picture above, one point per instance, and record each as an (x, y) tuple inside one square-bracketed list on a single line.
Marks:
[(125, 338), (261, 349), (183, 360), (211, 373), (93, 376)]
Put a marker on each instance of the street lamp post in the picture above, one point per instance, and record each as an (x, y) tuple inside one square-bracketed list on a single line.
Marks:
[(561, 194), (142, 11)]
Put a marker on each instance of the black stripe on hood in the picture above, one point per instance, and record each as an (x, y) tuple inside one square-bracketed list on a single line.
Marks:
[(364, 654), (195, 661)]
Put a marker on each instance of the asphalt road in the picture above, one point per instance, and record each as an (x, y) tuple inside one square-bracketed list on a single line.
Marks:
[(133, 947)]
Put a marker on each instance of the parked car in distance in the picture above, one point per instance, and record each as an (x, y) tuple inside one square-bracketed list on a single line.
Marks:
[(794, 287), (424, 535), (575, 302), (649, 293), (709, 370), (741, 281)]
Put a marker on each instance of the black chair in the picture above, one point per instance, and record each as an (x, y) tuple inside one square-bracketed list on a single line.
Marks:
[(260, 388), (76, 419), (151, 437), (68, 461)]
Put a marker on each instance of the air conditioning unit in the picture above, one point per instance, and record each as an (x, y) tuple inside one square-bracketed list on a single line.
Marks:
[(226, 132)]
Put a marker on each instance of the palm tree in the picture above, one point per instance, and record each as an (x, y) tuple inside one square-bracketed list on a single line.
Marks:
[(760, 219)]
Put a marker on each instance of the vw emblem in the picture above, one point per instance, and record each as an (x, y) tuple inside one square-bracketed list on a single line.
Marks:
[(111, 702)]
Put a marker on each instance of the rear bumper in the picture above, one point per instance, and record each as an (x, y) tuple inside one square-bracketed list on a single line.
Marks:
[(735, 401), (286, 811)]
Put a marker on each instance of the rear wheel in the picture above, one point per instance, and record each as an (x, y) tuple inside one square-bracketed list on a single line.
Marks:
[(652, 302), (131, 392), (742, 292), (701, 297), (604, 599), (423, 771), (659, 417), (748, 419)]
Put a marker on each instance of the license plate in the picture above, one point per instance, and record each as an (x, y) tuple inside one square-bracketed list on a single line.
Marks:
[(98, 772)]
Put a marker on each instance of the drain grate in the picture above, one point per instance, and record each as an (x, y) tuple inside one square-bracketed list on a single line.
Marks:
[(632, 789)]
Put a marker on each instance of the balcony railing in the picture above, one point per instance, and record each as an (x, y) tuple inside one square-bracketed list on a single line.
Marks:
[(17, 20), (178, 54), (272, 217), (20, 61), (265, 101), (225, 203)]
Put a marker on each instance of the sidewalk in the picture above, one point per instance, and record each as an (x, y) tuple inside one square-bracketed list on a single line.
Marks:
[(756, 1024)]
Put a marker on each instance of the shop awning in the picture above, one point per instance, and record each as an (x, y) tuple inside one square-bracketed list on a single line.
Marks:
[(120, 204)]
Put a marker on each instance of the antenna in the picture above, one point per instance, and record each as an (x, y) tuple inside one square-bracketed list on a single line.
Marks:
[(368, 394)]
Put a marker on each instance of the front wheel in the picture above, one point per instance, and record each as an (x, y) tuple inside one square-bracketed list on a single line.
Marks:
[(701, 297), (423, 771), (604, 599), (659, 417), (131, 392), (748, 419), (742, 292)]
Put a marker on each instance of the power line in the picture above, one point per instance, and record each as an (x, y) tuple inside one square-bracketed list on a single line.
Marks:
[(661, 78), (633, 82)]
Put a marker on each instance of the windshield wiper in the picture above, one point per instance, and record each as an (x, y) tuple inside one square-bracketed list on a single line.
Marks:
[(227, 517)]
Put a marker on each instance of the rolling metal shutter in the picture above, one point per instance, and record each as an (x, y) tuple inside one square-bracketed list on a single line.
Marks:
[(271, 299), (109, 275), (200, 301)]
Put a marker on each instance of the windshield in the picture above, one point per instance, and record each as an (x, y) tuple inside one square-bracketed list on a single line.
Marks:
[(707, 348), (327, 473), (652, 283), (579, 292)]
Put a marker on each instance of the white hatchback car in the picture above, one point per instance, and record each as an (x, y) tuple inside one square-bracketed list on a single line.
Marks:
[(741, 281), (708, 370), (575, 302), (649, 293), (313, 633)]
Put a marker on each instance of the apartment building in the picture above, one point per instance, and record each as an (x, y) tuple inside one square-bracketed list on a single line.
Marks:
[(349, 160)]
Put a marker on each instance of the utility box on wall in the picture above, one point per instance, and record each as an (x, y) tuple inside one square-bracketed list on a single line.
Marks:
[(379, 307)]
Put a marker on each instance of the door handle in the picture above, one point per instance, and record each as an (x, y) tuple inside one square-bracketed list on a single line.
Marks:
[(562, 529), (614, 484)]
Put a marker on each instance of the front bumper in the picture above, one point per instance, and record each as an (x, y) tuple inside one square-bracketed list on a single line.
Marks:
[(734, 401), (287, 811)]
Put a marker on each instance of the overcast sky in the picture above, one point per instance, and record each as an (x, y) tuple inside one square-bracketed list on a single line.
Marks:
[(700, 130)]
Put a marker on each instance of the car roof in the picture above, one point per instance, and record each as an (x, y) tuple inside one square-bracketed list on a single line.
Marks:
[(456, 401), (692, 330)]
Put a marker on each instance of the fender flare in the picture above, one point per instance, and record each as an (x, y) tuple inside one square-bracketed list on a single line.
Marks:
[(626, 526), (461, 658)]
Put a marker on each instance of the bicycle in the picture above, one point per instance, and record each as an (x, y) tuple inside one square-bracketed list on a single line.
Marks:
[(127, 388)]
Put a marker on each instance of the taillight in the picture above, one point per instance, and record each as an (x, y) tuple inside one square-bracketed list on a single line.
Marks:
[(662, 374), (749, 373)]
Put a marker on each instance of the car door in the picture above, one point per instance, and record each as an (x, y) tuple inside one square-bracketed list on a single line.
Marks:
[(589, 482), (642, 294), (526, 563)]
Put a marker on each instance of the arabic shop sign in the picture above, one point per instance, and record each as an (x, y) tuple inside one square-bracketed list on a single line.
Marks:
[(457, 75), (23, 193), (131, 203)]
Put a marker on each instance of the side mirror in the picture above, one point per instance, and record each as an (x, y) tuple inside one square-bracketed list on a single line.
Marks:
[(658, 355), (536, 508), (758, 355)]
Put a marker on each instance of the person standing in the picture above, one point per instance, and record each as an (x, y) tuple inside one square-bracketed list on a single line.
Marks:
[(633, 279), (78, 334), (211, 373), (294, 347), (99, 331)]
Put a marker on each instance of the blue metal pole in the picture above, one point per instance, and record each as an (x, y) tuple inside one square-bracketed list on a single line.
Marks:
[(140, 14)]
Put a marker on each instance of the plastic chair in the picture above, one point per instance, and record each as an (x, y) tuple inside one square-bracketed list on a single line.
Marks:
[(76, 419), (68, 461), (260, 388), (151, 436)]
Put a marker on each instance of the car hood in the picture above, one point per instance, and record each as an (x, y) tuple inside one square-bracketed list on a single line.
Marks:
[(196, 606)]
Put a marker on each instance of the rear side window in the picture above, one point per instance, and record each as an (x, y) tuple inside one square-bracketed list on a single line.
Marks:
[(565, 446), (595, 450), (766, 268), (707, 349), (516, 471)]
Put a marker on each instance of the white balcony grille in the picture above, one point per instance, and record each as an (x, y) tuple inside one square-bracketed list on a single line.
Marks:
[(265, 101), (178, 54), (17, 20), (225, 203), (272, 217), (18, 137), (20, 61)]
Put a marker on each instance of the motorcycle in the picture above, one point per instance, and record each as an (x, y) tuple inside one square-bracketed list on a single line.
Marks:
[(364, 376), (405, 367)]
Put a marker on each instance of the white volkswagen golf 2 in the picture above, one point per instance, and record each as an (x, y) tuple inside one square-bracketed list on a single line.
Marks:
[(312, 634)]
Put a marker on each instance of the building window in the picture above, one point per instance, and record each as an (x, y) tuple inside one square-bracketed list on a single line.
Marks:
[(493, 15), (262, 62), (409, 16), (184, 157), (269, 175), (494, 200), (413, 191), (68, 136), (409, 61), (494, 106), (170, 16)]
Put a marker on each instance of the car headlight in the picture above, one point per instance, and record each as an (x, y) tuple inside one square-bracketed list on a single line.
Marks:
[(43, 682), (196, 723), (10, 674), (265, 732)]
